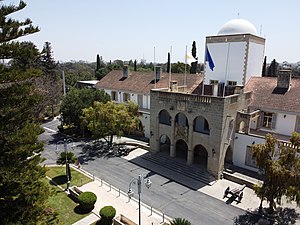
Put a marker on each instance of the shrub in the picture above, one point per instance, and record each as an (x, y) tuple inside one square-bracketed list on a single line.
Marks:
[(87, 200), (180, 221), (107, 214)]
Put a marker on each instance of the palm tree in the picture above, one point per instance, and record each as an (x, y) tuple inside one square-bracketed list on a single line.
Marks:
[(180, 221)]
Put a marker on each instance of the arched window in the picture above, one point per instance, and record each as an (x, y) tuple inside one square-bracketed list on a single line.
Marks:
[(164, 117), (201, 125), (181, 119)]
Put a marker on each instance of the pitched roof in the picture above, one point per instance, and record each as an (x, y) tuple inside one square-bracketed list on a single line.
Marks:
[(266, 94), (143, 82)]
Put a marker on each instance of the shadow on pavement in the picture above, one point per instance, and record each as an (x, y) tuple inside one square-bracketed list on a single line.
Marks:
[(282, 216)]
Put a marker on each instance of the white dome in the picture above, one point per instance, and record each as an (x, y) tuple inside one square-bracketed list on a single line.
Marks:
[(237, 26)]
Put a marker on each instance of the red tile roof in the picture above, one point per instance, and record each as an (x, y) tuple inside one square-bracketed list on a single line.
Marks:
[(266, 95), (143, 82)]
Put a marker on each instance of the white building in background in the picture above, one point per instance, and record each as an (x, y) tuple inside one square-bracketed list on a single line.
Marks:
[(237, 52)]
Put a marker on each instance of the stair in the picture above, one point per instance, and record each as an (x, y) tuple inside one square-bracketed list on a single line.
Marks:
[(196, 173)]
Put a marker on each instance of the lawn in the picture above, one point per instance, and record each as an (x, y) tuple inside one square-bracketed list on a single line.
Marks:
[(58, 175), (68, 211)]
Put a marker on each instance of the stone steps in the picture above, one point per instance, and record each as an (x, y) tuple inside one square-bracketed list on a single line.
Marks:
[(172, 164)]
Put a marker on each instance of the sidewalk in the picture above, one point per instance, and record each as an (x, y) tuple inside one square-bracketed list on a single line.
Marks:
[(107, 195)]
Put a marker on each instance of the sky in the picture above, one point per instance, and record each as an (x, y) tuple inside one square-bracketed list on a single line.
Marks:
[(132, 29)]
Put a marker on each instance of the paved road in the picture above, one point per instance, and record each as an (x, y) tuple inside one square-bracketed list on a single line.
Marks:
[(173, 199)]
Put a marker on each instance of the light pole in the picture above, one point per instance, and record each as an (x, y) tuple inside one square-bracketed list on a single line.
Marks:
[(139, 185), (65, 142)]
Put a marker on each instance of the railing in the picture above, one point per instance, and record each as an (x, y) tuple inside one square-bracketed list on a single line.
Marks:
[(185, 97)]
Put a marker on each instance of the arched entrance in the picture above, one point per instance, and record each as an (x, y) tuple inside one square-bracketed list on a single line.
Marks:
[(181, 149), (228, 157), (164, 144), (200, 156)]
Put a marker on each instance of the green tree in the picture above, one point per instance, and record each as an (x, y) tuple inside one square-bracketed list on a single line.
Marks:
[(22, 191), (98, 65), (108, 119), (168, 63), (61, 160), (134, 65), (178, 67), (273, 68), (264, 68), (49, 82), (193, 69), (180, 221), (281, 166), (78, 99)]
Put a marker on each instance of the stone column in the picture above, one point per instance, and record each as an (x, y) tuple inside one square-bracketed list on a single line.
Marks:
[(157, 138), (190, 156), (172, 145)]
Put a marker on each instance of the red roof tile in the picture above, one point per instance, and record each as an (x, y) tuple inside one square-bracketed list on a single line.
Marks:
[(266, 95), (143, 82)]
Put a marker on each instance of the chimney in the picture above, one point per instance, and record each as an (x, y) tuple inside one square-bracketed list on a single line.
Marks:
[(157, 73), (215, 87), (125, 71), (284, 79), (173, 86)]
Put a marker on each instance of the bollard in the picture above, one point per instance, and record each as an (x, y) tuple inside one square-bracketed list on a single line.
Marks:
[(110, 187), (119, 193), (93, 177), (151, 211), (101, 183), (163, 218)]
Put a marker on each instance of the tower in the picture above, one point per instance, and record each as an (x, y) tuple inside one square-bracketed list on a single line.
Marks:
[(237, 53)]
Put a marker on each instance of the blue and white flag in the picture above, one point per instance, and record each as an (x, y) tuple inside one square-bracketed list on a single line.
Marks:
[(209, 59)]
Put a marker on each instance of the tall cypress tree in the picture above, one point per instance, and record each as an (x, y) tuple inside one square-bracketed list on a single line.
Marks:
[(272, 70), (168, 63), (22, 191), (134, 65), (193, 69), (264, 68), (98, 63)]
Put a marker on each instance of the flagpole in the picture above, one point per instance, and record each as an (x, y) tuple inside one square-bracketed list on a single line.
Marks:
[(204, 68), (226, 70), (154, 70), (170, 73), (185, 66)]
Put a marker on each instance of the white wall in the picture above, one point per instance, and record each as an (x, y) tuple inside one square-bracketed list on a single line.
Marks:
[(285, 125), (145, 119), (241, 142), (255, 60), (236, 61)]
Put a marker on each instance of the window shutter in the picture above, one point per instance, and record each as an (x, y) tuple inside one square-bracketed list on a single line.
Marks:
[(274, 116)]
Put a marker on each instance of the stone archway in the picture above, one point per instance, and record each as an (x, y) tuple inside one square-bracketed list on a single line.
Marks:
[(164, 144), (200, 156), (181, 149), (228, 157)]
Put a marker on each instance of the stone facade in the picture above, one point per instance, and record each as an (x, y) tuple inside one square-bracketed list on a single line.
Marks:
[(197, 128)]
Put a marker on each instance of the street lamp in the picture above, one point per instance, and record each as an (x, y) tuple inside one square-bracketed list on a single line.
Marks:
[(65, 142), (139, 185)]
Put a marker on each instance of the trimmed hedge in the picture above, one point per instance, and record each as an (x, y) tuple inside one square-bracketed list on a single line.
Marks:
[(107, 214), (87, 200)]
